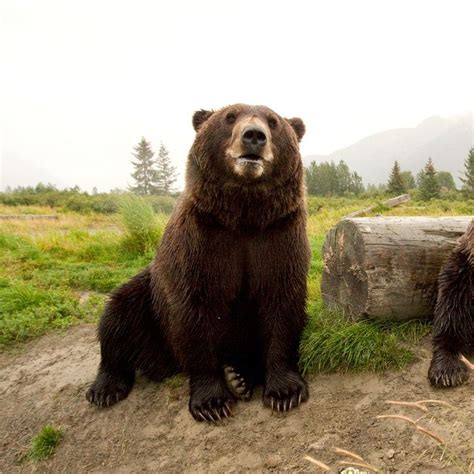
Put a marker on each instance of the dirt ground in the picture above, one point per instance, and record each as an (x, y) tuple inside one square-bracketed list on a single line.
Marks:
[(44, 382)]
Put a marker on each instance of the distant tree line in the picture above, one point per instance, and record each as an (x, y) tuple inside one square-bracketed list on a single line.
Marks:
[(329, 179), (74, 199)]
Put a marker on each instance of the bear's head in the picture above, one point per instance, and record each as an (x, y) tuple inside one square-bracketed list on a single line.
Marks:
[(245, 145)]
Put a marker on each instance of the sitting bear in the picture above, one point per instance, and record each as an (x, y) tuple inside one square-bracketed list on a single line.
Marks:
[(224, 300), (453, 325)]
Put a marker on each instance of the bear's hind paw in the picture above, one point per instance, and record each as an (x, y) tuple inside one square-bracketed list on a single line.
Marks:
[(237, 384)]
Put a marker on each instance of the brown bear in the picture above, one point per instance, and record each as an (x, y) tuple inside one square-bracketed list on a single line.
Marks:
[(453, 325), (224, 300)]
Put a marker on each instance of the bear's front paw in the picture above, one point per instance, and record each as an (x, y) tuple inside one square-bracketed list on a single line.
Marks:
[(284, 390), (107, 389), (210, 401), (447, 370)]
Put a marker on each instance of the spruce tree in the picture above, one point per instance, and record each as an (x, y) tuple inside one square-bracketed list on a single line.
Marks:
[(408, 180), (145, 174), (468, 178), (166, 172), (428, 183), (395, 183), (446, 180)]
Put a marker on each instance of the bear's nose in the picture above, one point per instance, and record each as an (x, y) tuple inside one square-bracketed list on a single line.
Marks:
[(254, 136)]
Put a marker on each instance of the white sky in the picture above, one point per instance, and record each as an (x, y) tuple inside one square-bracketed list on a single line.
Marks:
[(82, 81)]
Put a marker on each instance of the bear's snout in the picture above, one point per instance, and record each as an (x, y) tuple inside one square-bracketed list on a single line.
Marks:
[(253, 139)]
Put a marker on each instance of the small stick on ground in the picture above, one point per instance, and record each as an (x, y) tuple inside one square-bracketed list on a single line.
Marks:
[(469, 364), (436, 402), (349, 453), (320, 464), (407, 404), (400, 417)]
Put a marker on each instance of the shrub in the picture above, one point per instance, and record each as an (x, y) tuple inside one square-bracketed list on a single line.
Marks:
[(162, 204), (143, 228)]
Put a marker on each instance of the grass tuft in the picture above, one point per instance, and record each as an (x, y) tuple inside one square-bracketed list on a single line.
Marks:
[(143, 227), (44, 443), (333, 343)]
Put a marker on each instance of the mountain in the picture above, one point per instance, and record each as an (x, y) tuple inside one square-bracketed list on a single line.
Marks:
[(446, 140)]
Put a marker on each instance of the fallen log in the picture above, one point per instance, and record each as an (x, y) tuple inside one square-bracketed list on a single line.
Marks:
[(29, 217), (386, 268), (393, 202)]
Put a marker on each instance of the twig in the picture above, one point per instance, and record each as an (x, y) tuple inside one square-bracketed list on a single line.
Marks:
[(401, 417), (469, 364), (431, 434), (349, 453), (320, 464), (436, 402), (407, 404)]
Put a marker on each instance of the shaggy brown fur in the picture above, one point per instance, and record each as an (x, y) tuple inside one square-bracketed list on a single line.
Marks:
[(453, 328), (224, 299)]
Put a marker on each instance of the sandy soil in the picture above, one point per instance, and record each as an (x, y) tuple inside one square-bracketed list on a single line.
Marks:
[(152, 431)]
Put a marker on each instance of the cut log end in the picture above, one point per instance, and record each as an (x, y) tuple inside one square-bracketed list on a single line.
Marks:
[(387, 267)]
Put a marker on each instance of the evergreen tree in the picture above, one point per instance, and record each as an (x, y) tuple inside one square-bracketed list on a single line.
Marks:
[(468, 178), (446, 180), (428, 182), (408, 180), (166, 172), (357, 187), (145, 174), (395, 183), (329, 179)]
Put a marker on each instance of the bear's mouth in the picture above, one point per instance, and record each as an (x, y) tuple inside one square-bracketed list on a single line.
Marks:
[(251, 158)]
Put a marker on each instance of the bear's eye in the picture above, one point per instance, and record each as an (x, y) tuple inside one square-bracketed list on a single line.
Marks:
[(230, 117), (272, 122)]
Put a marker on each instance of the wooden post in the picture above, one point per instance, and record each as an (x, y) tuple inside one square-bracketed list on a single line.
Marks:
[(386, 267)]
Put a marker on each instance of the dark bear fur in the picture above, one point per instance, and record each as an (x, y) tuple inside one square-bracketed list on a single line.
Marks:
[(226, 292), (453, 325)]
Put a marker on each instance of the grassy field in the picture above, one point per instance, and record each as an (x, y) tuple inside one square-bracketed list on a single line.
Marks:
[(57, 273)]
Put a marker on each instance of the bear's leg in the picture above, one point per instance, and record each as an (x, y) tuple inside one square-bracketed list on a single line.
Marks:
[(453, 323), (242, 350), (282, 321), (127, 336), (200, 330)]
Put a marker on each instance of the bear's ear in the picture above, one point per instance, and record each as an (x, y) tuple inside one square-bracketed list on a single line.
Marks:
[(298, 126), (200, 117)]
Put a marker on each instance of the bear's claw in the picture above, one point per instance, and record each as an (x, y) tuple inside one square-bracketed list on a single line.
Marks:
[(447, 372), (107, 390), (212, 414), (285, 392), (237, 384)]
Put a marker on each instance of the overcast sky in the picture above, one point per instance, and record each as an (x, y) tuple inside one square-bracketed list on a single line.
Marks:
[(82, 81)]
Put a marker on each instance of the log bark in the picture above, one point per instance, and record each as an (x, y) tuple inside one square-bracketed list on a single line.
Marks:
[(386, 268)]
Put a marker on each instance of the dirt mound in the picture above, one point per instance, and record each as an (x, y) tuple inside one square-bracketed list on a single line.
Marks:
[(44, 382)]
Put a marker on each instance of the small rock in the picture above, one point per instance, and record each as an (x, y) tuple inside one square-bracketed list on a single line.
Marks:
[(390, 453), (273, 460)]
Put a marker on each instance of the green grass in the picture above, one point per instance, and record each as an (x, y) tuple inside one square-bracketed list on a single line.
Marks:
[(44, 443), (331, 342), (44, 273), (45, 267)]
